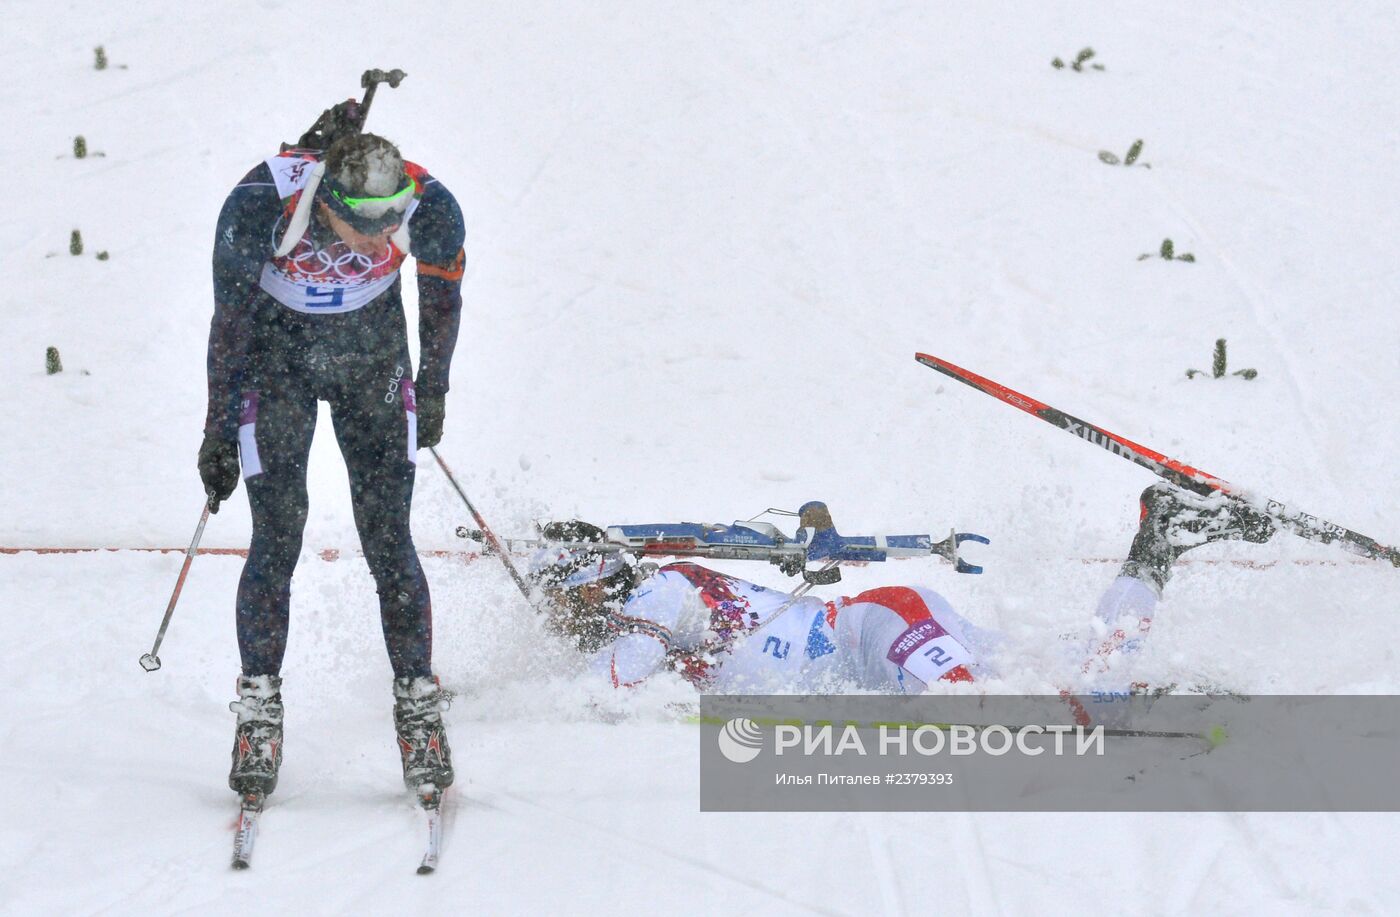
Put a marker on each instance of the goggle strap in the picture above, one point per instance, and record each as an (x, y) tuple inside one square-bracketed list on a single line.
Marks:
[(355, 202)]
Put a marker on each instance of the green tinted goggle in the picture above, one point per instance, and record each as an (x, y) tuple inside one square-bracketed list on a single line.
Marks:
[(374, 208)]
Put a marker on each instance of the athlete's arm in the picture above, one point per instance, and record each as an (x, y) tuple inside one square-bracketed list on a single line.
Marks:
[(242, 242), (648, 623), (436, 234)]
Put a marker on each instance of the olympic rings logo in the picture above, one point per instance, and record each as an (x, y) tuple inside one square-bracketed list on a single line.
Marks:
[(339, 261)]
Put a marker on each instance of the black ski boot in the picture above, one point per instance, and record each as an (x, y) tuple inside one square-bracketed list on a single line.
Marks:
[(257, 745), (427, 759), (1175, 521)]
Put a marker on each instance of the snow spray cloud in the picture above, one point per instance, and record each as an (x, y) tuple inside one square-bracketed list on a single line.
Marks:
[(1107, 751)]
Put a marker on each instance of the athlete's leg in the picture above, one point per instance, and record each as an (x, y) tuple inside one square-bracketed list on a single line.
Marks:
[(375, 426), (1170, 522), (275, 428), (1121, 624)]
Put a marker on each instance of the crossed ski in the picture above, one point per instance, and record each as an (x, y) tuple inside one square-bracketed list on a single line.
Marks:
[(1304, 525)]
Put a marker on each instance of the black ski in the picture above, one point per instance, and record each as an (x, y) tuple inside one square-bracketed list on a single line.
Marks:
[(1178, 473)]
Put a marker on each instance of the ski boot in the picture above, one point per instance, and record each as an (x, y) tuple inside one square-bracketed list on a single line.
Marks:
[(1174, 521), (427, 759), (257, 745)]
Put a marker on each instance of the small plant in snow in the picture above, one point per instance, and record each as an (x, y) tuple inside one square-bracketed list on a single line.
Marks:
[(99, 59), (1168, 252), (1218, 366), (81, 151), (75, 247), (1129, 159), (52, 363), (1080, 60)]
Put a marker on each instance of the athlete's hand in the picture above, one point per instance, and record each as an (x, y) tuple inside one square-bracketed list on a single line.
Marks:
[(218, 469), (431, 410)]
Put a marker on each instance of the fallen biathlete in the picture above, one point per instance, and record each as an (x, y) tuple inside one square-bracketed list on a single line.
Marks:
[(730, 636)]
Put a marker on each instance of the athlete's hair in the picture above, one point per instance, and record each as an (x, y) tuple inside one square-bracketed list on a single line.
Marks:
[(592, 626), (567, 575), (365, 165)]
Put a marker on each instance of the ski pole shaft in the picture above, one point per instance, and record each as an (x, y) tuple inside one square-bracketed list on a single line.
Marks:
[(485, 529), (1182, 475), (150, 662), (801, 590)]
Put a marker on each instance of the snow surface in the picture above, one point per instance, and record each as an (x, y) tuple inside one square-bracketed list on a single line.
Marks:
[(704, 243)]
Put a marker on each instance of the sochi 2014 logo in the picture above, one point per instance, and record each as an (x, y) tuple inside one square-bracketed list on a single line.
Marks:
[(740, 740)]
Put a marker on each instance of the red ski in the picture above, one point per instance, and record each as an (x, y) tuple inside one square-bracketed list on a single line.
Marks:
[(1171, 470)]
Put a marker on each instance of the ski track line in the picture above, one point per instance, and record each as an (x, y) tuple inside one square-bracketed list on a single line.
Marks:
[(1255, 298), (652, 849), (1190, 891), (1237, 275), (550, 153), (1260, 858), (337, 848), (167, 80), (495, 238), (887, 878), (161, 884), (976, 875)]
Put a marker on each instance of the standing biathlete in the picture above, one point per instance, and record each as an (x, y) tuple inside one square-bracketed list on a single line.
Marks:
[(307, 308), (730, 636)]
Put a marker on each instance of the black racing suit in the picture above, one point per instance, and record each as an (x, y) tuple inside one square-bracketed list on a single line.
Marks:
[(334, 331)]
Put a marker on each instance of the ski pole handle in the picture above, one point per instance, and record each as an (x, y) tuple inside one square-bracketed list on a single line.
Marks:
[(150, 662)]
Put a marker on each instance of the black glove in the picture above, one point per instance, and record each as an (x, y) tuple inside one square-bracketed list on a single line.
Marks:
[(431, 409), (218, 469)]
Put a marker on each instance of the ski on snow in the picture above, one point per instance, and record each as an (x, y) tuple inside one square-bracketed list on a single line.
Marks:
[(429, 799), (251, 806)]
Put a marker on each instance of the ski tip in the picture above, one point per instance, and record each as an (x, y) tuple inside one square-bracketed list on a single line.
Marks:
[(240, 864), (426, 870)]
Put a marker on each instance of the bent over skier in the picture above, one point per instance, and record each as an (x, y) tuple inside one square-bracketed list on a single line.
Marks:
[(727, 635), (307, 308)]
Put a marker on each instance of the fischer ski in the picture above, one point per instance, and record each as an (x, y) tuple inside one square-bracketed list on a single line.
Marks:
[(1178, 473), (430, 799), (246, 834)]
